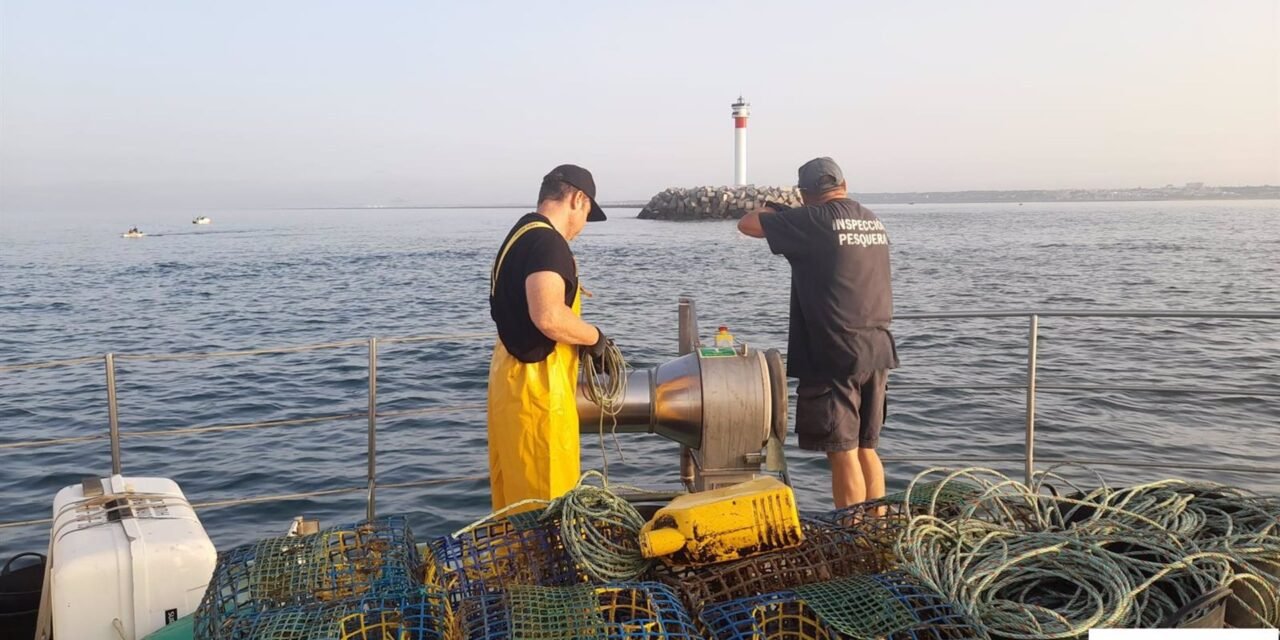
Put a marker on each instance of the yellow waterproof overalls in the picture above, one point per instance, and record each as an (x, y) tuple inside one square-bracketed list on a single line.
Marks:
[(533, 415)]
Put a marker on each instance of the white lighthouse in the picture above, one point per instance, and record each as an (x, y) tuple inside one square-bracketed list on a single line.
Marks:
[(741, 111)]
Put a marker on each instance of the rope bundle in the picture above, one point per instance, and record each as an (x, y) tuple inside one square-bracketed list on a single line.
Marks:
[(600, 530), (606, 387), (1028, 564)]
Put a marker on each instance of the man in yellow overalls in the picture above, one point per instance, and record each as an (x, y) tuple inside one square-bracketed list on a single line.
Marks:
[(533, 377)]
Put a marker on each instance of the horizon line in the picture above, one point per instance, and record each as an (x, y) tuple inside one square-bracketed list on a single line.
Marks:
[(1185, 190)]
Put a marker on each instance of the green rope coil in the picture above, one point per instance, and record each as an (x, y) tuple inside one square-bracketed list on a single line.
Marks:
[(600, 530)]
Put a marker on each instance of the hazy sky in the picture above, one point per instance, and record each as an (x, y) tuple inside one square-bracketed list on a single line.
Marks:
[(281, 103)]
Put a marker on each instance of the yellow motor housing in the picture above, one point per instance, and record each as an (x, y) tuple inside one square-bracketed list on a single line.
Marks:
[(724, 524)]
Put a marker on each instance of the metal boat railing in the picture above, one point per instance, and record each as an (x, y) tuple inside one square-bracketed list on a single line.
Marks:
[(1031, 387)]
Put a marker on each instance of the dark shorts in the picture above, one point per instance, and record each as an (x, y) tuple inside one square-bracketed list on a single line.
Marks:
[(839, 415)]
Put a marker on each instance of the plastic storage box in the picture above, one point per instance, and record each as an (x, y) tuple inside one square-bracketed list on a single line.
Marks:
[(129, 557)]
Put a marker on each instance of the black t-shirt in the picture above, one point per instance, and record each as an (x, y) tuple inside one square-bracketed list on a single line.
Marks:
[(539, 249), (841, 299)]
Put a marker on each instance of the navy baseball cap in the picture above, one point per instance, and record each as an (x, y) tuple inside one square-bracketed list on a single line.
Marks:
[(819, 175), (580, 179)]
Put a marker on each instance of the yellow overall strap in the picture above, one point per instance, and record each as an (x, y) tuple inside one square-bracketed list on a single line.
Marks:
[(497, 266)]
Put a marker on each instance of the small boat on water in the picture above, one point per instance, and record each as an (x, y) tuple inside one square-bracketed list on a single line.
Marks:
[(202, 220), (133, 233)]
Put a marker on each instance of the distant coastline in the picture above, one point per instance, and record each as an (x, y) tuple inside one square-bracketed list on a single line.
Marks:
[(1190, 191)]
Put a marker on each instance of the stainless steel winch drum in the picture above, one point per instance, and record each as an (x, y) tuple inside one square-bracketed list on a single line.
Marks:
[(721, 404)]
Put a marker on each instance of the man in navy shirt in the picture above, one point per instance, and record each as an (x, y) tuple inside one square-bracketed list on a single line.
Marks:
[(839, 345)]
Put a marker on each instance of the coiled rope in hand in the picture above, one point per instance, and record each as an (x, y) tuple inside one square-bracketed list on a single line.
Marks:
[(600, 530), (606, 387)]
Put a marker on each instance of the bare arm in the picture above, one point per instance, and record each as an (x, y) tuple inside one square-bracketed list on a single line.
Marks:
[(545, 290), (750, 223)]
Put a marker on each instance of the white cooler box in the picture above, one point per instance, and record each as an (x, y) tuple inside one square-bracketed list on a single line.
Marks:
[(128, 557)]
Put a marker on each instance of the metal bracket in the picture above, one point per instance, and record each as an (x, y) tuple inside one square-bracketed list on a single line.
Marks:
[(92, 487)]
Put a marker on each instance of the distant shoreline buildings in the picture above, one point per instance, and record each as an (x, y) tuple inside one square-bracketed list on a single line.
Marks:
[(1189, 191)]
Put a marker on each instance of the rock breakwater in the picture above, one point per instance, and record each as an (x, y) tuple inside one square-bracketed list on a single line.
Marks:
[(715, 203)]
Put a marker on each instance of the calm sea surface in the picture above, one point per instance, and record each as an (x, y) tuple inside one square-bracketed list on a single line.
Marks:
[(70, 286)]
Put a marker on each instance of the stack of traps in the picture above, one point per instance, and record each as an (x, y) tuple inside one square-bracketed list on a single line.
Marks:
[(351, 582)]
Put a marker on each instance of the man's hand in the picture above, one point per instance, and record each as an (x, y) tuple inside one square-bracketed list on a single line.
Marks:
[(597, 350), (601, 345)]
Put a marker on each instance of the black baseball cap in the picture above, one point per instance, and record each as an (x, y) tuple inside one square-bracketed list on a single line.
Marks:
[(580, 179), (820, 175)]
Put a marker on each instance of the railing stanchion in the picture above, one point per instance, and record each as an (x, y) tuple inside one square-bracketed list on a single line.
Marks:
[(373, 427), (113, 416), (1032, 340)]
